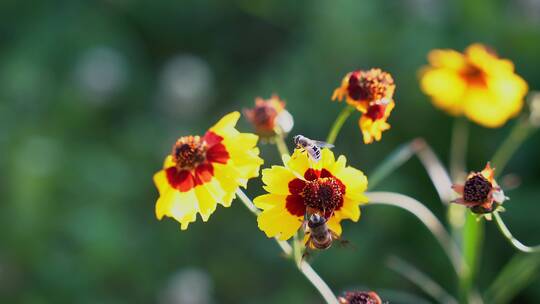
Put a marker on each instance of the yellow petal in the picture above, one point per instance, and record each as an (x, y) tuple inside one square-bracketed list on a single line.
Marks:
[(355, 182), (225, 126), (334, 224), (446, 58), (182, 206), (446, 88), (278, 222), (349, 210), (269, 201), (209, 195), (168, 162), (276, 179), (161, 182), (482, 109), (298, 162), (327, 159), (339, 164), (228, 178)]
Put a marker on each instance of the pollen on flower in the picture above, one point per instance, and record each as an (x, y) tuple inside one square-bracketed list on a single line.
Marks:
[(370, 85), (476, 189), (323, 194), (189, 151), (360, 297), (376, 111)]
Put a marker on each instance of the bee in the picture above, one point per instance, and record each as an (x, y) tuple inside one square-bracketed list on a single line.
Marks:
[(319, 235), (312, 147)]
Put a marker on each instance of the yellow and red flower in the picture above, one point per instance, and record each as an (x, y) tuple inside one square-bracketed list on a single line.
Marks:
[(202, 172), (302, 187), (480, 193), (267, 115), (477, 84), (360, 297), (370, 92)]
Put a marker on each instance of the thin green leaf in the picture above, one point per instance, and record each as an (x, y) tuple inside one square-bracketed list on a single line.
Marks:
[(423, 281), (514, 277)]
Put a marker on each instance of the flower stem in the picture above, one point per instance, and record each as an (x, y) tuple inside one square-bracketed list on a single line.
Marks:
[(508, 235), (427, 218), (517, 136), (280, 142), (338, 123), (302, 265), (458, 148)]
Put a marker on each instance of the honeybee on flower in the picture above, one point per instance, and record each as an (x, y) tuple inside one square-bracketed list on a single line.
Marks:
[(301, 188), (370, 92), (203, 171), (477, 84)]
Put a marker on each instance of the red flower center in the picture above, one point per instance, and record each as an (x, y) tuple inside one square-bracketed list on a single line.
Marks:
[(370, 85), (359, 297), (474, 75), (321, 193), (194, 159), (376, 111), (476, 189), (189, 151)]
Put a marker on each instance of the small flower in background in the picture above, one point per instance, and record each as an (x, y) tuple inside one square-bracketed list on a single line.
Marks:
[(534, 105), (188, 286), (373, 122), (301, 187), (267, 115), (480, 193), (202, 172), (360, 297), (477, 84), (370, 92)]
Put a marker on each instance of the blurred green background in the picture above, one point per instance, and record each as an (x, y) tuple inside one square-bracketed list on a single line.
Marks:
[(94, 93)]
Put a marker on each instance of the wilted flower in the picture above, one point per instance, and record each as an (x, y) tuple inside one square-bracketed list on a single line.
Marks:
[(360, 297), (477, 84), (301, 187), (480, 193), (202, 172), (370, 92), (267, 115)]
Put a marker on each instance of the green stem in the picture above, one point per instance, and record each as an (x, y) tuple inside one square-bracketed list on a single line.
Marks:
[(280, 143), (517, 136), (508, 235), (297, 250), (338, 123), (302, 265), (458, 148), (472, 239)]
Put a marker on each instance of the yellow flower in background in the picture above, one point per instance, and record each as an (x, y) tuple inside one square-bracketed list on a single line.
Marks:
[(370, 92), (477, 84), (202, 172), (301, 187)]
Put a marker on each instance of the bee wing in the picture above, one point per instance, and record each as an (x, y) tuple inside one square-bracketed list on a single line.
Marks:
[(322, 144)]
